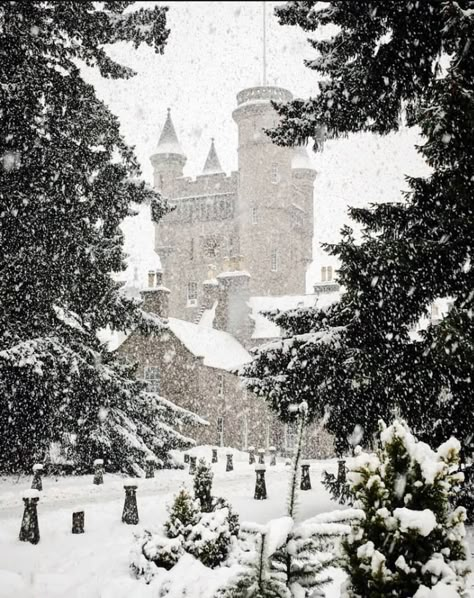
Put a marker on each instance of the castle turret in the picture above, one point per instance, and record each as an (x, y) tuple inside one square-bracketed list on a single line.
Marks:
[(168, 160), (212, 165), (266, 214), (303, 176)]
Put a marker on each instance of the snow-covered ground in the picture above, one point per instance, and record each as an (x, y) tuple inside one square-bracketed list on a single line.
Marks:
[(95, 564)]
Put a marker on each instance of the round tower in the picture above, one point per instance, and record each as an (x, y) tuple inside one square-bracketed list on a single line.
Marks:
[(168, 161), (265, 208)]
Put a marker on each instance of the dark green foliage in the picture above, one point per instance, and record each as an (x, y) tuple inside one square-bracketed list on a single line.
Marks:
[(358, 360), (67, 180), (203, 485), (339, 489), (183, 514), (409, 536)]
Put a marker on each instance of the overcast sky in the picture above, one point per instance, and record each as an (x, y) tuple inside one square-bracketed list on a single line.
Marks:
[(214, 51)]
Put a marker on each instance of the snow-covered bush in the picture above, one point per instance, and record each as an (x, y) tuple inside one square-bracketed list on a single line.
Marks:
[(284, 559), (203, 485), (410, 542), (206, 535)]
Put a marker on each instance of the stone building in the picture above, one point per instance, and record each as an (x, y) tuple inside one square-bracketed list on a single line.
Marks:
[(250, 231), (233, 246)]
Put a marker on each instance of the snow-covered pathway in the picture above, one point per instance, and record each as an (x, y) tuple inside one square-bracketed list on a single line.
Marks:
[(95, 565)]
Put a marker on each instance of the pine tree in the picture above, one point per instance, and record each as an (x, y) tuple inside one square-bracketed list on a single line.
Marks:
[(358, 358), (183, 515), (66, 183), (409, 541)]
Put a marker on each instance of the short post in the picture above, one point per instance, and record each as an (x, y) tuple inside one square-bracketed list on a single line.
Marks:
[(287, 462), (260, 486), (37, 483), (273, 455), (150, 463), (305, 478), (186, 457), (98, 472), (341, 471), (214, 456), (261, 456), (78, 522), (251, 450), (230, 463), (130, 509), (29, 531), (192, 464)]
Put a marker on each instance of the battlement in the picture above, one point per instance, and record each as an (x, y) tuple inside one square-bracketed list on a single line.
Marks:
[(263, 94)]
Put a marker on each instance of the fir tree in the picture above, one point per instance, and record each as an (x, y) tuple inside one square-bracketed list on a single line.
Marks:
[(409, 541), (203, 485), (67, 180), (183, 514), (358, 359)]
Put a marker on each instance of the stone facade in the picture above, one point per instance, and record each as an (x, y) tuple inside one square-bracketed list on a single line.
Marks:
[(260, 217)]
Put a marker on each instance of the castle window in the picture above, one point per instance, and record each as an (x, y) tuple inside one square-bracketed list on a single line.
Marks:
[(323, 274), (151, 375), (291, 436), (329, 273), (274, 260), (192, 294), (220, 431), (254, 215), (211, 246), (275, 177), (191, 249), (221, 385)]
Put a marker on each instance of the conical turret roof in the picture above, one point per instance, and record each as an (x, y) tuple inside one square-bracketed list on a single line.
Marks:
[(168, 143), (212, 165)]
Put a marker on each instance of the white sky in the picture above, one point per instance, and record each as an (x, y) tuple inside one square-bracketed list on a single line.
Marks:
[(215, 50)]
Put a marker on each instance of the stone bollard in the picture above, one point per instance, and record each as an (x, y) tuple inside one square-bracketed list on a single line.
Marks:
[(214, 456), (98, 472), (130, 509), (37, 483), (341, 471), (287, 462), (78, 522), (186, 457), (273, 455), (29, 531), (261, 456), (251, 455), (305, 478), (260, 486), (192, 464), (230, 462), (150, 464)]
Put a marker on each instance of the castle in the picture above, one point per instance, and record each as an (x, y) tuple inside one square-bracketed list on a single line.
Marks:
[(230, 238), (232, 247)]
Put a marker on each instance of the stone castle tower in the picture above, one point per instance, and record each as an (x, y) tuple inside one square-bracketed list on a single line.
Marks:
[(233, 237)]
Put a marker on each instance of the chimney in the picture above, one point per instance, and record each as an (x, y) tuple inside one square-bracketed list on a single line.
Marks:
[(156, 296), (232, 312)]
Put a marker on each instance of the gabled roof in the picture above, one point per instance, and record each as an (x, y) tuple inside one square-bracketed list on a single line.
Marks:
[(168, 143), (212, 165), (219, 349)]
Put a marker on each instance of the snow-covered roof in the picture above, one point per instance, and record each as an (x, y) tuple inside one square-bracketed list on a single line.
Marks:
[(212, 165), (219, 349), (266, 329), (301, 159), (208, 315), (168, 142)]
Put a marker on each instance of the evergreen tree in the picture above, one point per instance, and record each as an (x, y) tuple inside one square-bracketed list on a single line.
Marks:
[(203, 485), (409, 541), (67, 180), (183, 515), (358, 360)]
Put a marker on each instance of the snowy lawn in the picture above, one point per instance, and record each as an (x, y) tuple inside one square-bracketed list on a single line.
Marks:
[(95, 564)]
